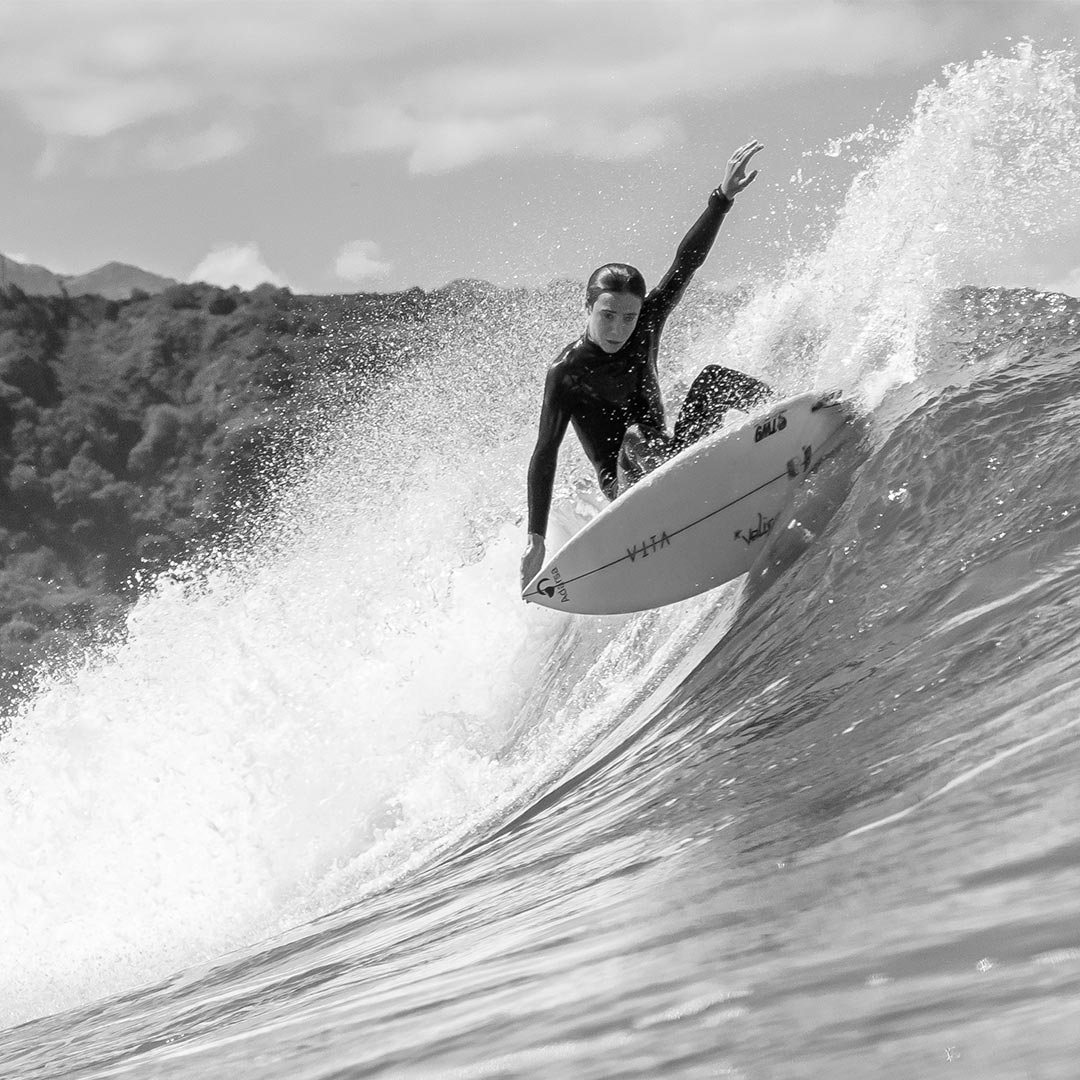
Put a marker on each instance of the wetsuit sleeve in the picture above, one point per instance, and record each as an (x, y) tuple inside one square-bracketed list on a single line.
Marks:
[(554, 418), (691, 253)]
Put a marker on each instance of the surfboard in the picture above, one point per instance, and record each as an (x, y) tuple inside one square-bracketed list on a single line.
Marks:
[(698, 520)]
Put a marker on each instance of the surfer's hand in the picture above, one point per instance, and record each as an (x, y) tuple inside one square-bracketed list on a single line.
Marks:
[(735, 178), (532, 560)]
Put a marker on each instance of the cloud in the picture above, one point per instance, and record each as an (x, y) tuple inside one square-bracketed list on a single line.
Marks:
[(214, 142), (359, 261), (166, 147), (162, 85), (569, 79), (183, 82), (235, 264), (437, 144)]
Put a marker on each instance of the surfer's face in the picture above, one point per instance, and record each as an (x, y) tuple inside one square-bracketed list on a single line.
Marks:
[(612, 319)]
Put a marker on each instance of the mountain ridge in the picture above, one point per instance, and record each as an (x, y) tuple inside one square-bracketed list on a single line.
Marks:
[(113, 281)]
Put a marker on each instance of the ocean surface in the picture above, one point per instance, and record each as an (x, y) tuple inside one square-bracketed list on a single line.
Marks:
[(339, 805)]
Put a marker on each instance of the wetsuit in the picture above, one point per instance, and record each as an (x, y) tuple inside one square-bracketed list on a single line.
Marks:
[(605, 394)]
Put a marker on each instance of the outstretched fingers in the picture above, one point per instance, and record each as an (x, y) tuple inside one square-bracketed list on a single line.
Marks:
[(741, 158), (737, 178)]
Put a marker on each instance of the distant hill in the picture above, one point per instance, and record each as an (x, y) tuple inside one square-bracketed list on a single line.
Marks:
[(113, 281), (33, 280)]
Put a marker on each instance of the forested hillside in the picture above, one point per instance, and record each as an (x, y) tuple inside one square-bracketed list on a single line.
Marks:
[(133, 431)]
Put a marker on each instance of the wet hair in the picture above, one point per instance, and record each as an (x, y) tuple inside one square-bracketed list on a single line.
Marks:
[(614, 278)]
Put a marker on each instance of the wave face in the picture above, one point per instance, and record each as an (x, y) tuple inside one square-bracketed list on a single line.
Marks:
[(339, 803)]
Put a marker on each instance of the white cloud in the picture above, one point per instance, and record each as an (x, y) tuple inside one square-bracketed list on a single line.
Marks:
[(95, 107), (170, 145), (235, 264), (442, 143), (437, 144), (591, 78), (183, 151), (571, 80), (359, 261)]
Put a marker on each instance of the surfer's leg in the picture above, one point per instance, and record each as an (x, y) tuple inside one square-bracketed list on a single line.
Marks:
[(715, 390), (642, 450)]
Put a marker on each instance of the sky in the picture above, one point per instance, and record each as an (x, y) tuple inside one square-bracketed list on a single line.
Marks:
[(374, 145)]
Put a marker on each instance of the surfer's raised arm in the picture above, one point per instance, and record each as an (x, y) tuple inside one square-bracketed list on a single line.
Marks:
[(697, 243)]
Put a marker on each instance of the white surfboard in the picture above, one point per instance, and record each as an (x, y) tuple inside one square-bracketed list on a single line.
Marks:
[(698, 520)]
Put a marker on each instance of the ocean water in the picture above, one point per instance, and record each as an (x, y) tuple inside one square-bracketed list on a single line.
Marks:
[(339, 805)]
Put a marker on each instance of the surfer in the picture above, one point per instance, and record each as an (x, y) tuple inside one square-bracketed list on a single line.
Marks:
[(606, 383)]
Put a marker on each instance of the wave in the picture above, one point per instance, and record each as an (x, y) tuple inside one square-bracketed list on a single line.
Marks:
[(242, 761)]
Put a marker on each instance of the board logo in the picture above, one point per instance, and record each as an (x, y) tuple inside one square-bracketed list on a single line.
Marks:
[(771, 426), (549, 587), (648, 547), (762, 528), (794, 466)]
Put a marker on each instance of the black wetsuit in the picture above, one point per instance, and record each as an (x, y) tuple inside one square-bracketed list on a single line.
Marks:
[(605, 394)]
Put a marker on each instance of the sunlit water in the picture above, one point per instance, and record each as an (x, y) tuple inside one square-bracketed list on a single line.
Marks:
[(340, 805)]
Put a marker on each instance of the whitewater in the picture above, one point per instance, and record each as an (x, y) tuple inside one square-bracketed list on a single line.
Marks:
[(337, 804)]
